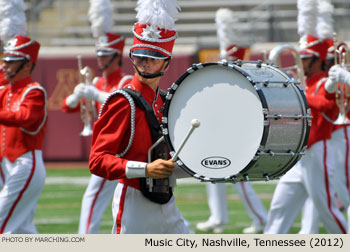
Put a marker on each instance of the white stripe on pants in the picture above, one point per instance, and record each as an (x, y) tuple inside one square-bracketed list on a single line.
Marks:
[(142, 216), (98, 195), (309, 177), (18, 206)]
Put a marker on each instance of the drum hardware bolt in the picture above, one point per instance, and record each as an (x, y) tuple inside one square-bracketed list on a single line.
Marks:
[(164, 119), (292, 153), (271, 153), (165, 132), (168, 96), (275, 116), (259, 64), (298, 117), (266, 83), (267, 178), (266, 123), (301, 153), (179, 162), (307, 117), (174, 86), (246, 178), (223, 62), (239, 63), (190, 70)]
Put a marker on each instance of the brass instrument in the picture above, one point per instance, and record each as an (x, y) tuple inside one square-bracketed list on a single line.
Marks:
[(87, 107), (342, 95), (275, 57)]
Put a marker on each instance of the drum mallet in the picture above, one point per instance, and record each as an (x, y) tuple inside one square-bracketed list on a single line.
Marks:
[(195, 123)]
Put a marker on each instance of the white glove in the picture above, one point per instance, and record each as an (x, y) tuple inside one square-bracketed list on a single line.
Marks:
[(73, 99), (340, 74), (331, 85), (92, 93)]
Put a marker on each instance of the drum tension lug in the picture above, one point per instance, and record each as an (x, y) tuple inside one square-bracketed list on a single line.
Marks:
[(239, 63), (246, 178), (266, 83), (285, 84), (224, 62), (259, 64)]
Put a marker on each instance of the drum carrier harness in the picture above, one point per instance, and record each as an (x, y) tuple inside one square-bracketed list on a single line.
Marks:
[(156, 190)]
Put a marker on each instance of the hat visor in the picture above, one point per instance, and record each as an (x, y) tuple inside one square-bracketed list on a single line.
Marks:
[(306, 55), (10, 57), (148, 53), (101, 53)]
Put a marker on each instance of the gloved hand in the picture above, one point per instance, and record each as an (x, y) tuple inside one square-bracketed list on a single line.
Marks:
[(75, 97), (331, 85), (340, 74), (92, 93)]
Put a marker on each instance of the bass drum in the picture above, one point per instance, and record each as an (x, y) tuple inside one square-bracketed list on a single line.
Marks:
[(254, 121)]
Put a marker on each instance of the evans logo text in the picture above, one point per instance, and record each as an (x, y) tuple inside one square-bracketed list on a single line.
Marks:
[(215, 162)]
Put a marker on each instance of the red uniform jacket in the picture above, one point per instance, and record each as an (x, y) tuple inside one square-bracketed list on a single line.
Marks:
[(321, 128), (112, 132), (112, 83), (23, 118)]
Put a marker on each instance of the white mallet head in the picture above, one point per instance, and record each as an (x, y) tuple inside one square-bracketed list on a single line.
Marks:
[(195, 123)]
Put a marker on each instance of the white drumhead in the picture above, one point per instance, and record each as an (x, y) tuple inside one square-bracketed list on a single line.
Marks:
[(231, 121)]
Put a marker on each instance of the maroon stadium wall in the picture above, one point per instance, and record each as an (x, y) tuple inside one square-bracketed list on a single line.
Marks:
[(59, 75)]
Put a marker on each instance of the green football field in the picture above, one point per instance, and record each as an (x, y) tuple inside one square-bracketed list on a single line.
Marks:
[(58, 208)]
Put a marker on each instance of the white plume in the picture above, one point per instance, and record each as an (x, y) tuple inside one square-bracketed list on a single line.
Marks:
[(160, 13), (100, 16), (307, 17), (226, 29), (325, 19), (12, 19), (224, 19)]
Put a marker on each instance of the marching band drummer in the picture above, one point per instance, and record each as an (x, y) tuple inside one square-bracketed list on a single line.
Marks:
[(310, 176), (216, 193), (109, 52), (124, 132)]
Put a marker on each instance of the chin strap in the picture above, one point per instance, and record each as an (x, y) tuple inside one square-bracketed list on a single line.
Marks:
[(310, 65), (150, 76), (10, 76), (109, 63)]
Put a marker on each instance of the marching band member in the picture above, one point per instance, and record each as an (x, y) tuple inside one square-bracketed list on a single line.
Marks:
[(23, 118), (216, 193), (109, 52), (311, 175), (124, 131), (340, 141)]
